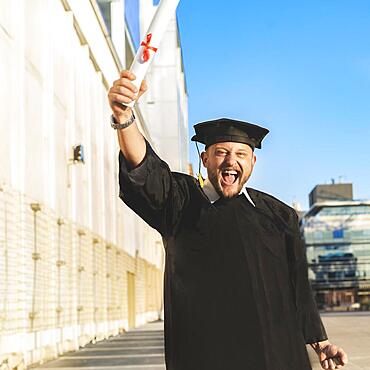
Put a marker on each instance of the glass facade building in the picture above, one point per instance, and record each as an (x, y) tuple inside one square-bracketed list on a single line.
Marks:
[(337, 237)]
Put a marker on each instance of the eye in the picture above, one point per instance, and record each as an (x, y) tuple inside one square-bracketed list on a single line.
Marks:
[(221, 153), (242, 154)]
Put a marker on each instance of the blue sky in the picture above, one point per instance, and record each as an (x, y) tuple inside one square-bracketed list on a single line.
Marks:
[(301, 69)]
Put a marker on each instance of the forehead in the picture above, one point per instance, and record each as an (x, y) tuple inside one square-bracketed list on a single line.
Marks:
[(231, 146)]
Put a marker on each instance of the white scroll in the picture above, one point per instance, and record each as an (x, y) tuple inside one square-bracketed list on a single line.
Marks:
[(151, 41)]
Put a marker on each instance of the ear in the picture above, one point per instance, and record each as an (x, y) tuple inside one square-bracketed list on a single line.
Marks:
[(254, 159), (204, 157)]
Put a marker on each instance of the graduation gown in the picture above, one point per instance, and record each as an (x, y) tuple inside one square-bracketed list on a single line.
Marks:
[(236, 290)]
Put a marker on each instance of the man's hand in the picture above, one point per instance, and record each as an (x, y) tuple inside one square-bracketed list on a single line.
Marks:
[(330, 355), (124, 91), (131, 141)]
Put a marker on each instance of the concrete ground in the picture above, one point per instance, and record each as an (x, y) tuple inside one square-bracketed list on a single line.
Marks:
[(142, 349), (139, 349), (351, 331)]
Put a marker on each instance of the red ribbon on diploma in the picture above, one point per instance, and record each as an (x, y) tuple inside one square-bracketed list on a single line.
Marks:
[(147, 47)]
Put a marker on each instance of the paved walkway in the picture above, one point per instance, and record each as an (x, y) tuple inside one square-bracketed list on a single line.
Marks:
[(142, 349), (139, 349), (352, 332)]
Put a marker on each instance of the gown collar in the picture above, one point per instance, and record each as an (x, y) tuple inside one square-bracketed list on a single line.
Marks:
[(212, 194)]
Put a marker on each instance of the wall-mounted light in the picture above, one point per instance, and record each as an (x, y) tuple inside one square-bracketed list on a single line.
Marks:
[(78, 156)]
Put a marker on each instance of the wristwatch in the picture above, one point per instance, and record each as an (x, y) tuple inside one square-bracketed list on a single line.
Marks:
[(120, 126)]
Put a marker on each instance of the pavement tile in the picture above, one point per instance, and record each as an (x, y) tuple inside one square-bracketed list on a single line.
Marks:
[(143, 348), (140, 349), (351, 331)]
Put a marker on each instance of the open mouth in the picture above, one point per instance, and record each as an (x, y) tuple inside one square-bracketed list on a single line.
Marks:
[(229, 177)]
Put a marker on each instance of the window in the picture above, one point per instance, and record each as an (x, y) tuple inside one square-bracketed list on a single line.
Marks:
[(345, 210)]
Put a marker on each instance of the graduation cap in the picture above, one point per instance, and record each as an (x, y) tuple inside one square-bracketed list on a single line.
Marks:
[(225, 129)]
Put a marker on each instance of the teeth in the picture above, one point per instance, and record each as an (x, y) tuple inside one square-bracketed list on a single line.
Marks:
[(230, 172)]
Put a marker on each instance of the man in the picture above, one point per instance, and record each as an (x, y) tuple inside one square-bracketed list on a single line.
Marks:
[(237, 294)]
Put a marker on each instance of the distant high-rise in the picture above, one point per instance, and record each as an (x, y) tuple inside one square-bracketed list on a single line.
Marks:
[(331, 192)]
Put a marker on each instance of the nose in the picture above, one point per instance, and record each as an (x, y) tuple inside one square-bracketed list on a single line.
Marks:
[(230, 159)]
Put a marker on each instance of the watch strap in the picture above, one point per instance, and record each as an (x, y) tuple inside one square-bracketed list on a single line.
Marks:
[(120, 126)]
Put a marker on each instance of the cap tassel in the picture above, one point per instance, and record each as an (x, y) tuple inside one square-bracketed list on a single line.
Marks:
[(200, 177), (200, 180)]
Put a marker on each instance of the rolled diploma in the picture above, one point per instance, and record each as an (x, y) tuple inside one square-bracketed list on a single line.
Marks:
[(157, 28)]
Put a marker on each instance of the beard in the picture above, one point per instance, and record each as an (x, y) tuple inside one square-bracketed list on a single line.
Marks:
[(227, 192)]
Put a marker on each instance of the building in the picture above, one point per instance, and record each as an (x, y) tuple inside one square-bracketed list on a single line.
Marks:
[(330, 192), (76, 264), (337, 237)]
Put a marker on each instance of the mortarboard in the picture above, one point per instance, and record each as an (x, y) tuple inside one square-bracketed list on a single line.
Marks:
[(225, 129)]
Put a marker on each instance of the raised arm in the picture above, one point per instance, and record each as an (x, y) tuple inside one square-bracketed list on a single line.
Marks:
[(147, 184), (131, 141)]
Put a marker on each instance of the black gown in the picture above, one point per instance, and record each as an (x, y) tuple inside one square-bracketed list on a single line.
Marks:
[(237, 295)]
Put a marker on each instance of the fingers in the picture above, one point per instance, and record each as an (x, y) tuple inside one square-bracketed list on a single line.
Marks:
[(332, 357), (127, 74), (124, 91), (117, 98), (324, 364), (328, 364), (125, 83), (332, 363), (337, 354), (322, 356), (343, 359)]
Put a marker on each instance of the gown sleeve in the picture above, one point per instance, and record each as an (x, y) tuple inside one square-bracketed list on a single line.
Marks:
[(152, 191), (309, 319)]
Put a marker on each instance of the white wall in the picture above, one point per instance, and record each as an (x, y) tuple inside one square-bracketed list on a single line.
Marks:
[(53, 98), (56, 65)]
